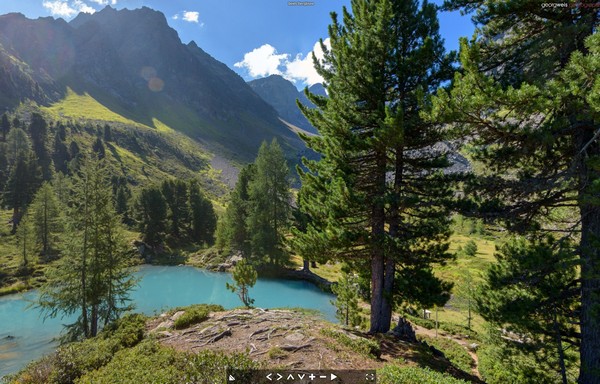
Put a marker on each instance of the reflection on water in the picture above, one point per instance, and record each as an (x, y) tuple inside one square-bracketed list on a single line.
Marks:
[(25, 336)]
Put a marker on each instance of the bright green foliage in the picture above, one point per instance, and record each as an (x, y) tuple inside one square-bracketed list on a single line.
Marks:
[(27, 245), (234, 233), (529, 92), (470, 249), (393, 374), (366, 347), (244, 277), (47, 215), (269, 212), (532, 291), (465, 294), (456, 353), (149, 362), (502, 361), (346, 302), (195, 314), (92, 278), (377, 197)]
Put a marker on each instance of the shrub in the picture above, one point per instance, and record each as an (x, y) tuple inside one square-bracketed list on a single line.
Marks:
[(195, 314), (127, 331), (365, 347), (76, 359), (470, 249), (392, 374)]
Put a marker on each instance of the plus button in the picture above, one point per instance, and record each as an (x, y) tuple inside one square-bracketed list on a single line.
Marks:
[(312, 376)]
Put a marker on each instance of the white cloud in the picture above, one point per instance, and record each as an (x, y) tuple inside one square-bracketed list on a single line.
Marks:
[(83, 7), (263, 61), (104, 2), (302, 68), (175, 17), (63, 8), (191, 16), (59, 8)]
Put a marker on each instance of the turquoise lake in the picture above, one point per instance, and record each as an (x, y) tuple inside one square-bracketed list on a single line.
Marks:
[(25, 336)]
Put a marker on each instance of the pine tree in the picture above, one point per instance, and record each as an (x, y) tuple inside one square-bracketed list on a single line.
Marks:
[(151, 211), (532, 290), (23, 180), (234, 232), (26, 243), (92, 278), (98, 148), (269, 214), (377, 198), (18, 145), (346, 302), (175, 193), (244, 277), (4, 126), (38, 128), (46, 214), (202, 217), (528, 92), (465, 294), (60, 154)]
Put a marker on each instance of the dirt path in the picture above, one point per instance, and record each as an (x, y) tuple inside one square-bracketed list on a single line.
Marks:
[(432, 334)]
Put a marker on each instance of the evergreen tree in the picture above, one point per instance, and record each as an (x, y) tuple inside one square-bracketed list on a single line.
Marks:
[(60, 154), (4, 126), (107, 133), (203, 220), (92, 278), (18, 145), (346, 302), (269, 214), (244, 277), (528, 92), (377, 197), (532, 290), (23, 181), (26, 243), (175, 193), (98, 148), (234, 231), (122, 202), (151, 210), (465, 294), (46, 213), (38, 128)]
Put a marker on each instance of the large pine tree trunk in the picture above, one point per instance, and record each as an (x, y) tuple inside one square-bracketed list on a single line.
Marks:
[(590, 295), (377, 277), (379, 323), (590, 263)]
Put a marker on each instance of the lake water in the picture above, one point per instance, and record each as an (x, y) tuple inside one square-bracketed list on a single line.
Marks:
[(25, 336)]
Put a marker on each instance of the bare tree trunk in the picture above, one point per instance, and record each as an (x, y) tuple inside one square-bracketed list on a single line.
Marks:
[(305, 265), (561, 352)]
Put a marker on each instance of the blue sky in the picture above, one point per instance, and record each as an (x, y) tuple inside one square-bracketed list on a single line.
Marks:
[(255, 38)]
